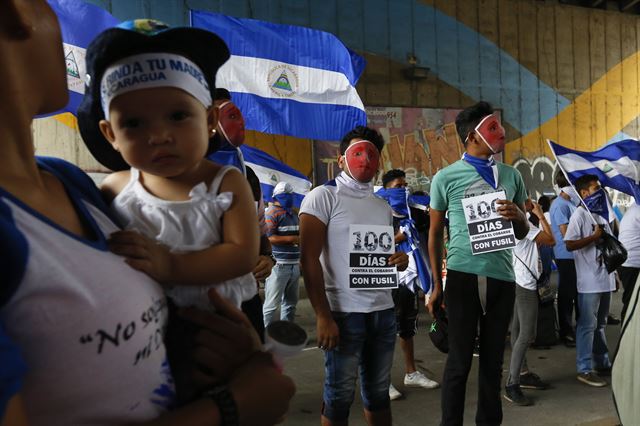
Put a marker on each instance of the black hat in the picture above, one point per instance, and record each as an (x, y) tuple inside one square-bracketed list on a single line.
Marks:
[(205, 49), (438, 332)]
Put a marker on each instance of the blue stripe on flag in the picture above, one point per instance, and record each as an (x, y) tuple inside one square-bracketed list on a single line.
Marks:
[(616, 165), (284, 43), (288, 80), (80, 23), (270, 171), (313, 121)]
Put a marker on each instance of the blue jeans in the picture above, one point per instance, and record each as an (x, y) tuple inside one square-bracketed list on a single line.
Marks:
[(281, 288), (591, 342), (366, 346)]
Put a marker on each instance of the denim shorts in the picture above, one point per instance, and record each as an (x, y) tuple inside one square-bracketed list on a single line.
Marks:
[(366, 345)]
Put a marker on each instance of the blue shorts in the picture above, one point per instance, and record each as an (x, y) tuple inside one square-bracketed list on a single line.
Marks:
[(366, 346)]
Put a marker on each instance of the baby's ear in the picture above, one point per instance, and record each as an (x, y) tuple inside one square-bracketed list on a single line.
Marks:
[(107, 132)]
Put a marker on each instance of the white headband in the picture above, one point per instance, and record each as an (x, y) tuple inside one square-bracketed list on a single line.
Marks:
[(150, 70)]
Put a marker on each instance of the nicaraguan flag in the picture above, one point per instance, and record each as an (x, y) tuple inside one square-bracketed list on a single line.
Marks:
[(288, 80), (80, 23), (617, 165), (271, 171)]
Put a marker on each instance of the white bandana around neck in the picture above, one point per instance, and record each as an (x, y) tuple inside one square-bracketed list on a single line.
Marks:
[(349, 186), (149, 70)]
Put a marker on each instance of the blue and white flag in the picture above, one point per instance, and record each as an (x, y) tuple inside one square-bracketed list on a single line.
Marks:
[(80, 23), (288, 80), (617, 165), (271, 171)]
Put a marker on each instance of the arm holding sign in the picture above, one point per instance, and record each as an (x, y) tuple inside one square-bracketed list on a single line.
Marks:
[(313, 235)]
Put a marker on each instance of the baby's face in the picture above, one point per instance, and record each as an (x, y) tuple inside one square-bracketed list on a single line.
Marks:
[(161, 131)]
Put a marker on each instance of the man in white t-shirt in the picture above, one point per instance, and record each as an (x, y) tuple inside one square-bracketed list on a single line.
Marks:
[(528, 268), (595, 284), (355, 322), (630, 238)]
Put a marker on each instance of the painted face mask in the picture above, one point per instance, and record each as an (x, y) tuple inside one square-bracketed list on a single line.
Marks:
[(231, 123), (362, 159), (492, 133)]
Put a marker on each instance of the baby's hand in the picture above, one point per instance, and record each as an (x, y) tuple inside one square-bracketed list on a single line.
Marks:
[(143, 254)]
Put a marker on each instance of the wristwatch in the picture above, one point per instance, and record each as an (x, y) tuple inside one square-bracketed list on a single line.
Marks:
[(227, 407)]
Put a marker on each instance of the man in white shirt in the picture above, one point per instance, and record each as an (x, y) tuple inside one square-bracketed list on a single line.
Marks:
[(595, 284), (630, 238), (355, 317)]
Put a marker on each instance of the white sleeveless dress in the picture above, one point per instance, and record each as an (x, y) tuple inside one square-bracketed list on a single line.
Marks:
[(184, 226)]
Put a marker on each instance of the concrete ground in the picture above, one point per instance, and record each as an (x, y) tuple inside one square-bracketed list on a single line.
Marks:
[(569, 402)]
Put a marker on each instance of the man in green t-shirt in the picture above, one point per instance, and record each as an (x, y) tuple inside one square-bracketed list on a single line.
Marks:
[(480, 277)]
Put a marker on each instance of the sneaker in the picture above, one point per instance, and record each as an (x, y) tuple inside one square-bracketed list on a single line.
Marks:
[(394, 393), (604, 372), (532, 381), (612, 320), (419, 380), (513, 393), (592, 379), (569, 341)]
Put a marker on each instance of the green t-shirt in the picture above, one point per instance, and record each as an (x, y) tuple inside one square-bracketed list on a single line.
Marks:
[(461, 180)]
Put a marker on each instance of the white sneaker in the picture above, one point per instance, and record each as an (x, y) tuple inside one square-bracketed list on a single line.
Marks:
[(419, 380), (394, 393)]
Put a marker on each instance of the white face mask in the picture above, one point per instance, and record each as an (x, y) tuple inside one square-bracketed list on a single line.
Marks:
[(575, 198)]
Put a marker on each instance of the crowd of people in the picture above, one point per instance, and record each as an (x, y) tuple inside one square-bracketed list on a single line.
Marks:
[(150, 284)]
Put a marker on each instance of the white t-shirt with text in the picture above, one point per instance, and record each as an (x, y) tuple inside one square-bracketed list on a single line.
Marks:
[(338, 211)]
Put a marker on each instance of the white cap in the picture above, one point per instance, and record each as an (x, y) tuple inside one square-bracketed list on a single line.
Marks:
[(282, 188)]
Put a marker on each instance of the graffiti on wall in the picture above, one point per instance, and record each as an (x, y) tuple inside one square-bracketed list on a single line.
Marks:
[(538, 175), (420, 141)]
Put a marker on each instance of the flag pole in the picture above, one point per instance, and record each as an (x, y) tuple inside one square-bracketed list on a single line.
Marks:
[(571, 183)]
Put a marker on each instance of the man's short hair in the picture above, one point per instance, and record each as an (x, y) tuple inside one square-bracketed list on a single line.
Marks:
[(364, 133), (561, 180), (222, 94), (392, 175), (470, 117), (584, 182)]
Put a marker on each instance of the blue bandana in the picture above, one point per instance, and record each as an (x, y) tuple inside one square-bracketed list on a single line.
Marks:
[(597, 203), (487, 169), (285, 200)]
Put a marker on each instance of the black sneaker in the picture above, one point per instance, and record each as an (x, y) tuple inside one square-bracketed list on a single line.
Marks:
[(532, 381), (604, 372), (612, 320), (513, 393)]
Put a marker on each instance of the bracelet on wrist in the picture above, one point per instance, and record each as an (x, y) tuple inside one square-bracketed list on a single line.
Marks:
[(227, 406)]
